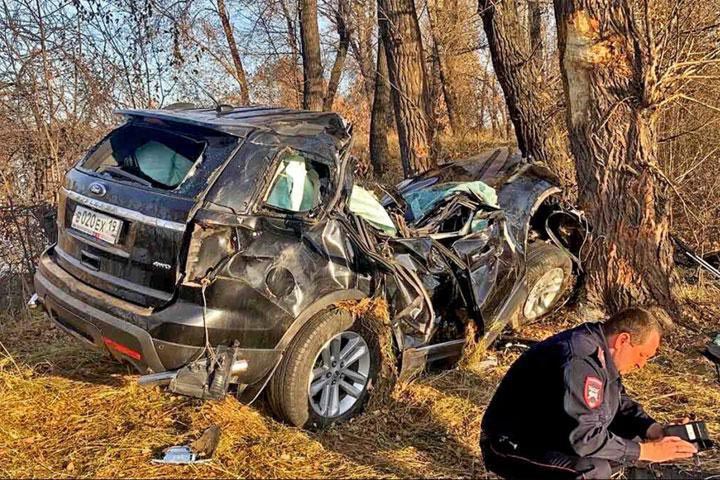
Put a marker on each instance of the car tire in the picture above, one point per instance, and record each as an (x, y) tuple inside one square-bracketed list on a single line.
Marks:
[(312, 361), (549, 277)]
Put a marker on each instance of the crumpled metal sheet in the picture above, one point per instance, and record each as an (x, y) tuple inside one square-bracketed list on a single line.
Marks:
[(460, 260)]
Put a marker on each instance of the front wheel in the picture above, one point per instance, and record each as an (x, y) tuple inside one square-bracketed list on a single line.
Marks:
[(549, 276), (326, 372)]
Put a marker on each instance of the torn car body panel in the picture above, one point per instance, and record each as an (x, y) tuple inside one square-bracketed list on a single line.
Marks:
[(243, 229), (521, 186)]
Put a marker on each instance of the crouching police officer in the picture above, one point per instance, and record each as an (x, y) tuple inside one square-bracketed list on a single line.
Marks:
[(562, 411)]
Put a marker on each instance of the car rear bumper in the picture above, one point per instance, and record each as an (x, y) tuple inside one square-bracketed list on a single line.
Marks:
[(105, 322), (74, 306)]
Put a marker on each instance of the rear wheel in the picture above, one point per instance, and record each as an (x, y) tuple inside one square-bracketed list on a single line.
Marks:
[(549, 276), (326, 372)]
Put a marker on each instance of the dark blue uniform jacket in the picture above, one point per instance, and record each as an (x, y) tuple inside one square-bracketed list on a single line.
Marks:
[(565, 395)]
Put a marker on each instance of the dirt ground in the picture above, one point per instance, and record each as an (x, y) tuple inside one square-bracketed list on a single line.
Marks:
[(69, 412)]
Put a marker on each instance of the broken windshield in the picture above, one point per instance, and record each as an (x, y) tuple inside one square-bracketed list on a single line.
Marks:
[(423, 200)]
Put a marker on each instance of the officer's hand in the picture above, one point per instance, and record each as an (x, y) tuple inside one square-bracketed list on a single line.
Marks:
[(666, 449), (680, 421)]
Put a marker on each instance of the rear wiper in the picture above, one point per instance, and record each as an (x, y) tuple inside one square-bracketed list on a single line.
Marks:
[(119, 171)]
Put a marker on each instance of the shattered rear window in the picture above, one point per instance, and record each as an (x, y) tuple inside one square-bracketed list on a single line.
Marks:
[(149, 156)]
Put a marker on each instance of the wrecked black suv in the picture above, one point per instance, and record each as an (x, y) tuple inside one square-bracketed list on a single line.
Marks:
[(212, 248)]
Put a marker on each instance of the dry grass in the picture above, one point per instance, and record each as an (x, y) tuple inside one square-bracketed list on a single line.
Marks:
[(68, 412)]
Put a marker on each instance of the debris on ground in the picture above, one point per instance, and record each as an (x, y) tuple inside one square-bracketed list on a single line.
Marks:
[(179, 455), (519, 346), (708, 263), (199, 451), (489, 362), (207, 443)]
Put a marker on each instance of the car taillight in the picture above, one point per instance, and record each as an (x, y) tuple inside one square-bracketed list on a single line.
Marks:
[(118, 347)]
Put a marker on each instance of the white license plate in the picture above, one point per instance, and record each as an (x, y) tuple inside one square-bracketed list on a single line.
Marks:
[(96, 224)]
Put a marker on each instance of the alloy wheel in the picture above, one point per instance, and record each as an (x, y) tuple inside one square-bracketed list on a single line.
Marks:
[(544, 293), (339, 375)]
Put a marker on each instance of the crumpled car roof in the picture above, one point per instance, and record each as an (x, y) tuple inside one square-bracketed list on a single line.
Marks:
[(494, 167), (240, 121)]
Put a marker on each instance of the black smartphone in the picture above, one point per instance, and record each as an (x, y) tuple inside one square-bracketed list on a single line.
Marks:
[(693, 432)]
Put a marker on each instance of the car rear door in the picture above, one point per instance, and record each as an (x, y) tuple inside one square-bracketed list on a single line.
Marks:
[(124, 209)]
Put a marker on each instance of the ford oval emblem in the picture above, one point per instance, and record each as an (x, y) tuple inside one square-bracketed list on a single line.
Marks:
[(98, 189)]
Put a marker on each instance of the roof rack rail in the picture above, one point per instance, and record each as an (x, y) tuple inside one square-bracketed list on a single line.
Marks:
[(180, 106)]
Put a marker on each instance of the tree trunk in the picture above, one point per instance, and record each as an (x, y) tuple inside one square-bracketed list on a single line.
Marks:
[(292, 41), (519, 74), (344, 33), (535, 28), (496, 108), (380, 107), (408, 81), (312, 63), (436, 96), (439, 51), (609, 78), (484, 95), (234, 53), (362, 43)]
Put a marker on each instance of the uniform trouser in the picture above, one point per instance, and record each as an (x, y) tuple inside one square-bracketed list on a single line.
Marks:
[(507, 461)]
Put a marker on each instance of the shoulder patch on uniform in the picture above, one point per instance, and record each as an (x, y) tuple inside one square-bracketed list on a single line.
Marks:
[(593, 391)]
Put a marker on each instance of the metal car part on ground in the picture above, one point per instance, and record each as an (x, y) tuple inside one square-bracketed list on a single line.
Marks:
[(220, 267), (709, 262)]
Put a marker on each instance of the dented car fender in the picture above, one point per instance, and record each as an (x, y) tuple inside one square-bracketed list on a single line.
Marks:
[(322, 303), (520, 199)]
